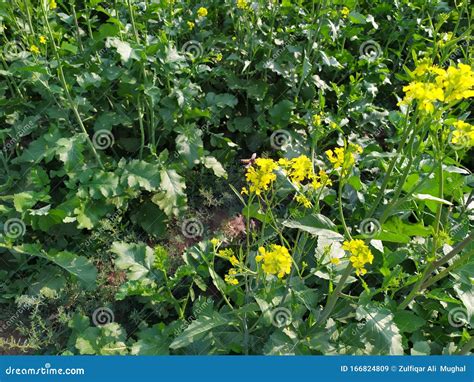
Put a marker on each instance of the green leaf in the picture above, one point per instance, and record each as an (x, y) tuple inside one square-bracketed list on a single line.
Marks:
[(138, 173), (380, 330), (151, 218), (172, 195), (280, 113), (432, 198), (70, 151), (197, 329), (152, 341), (408, 321), (24, 201), (78, 266), (136, 259), (123, 48), (327, 233), (190, 146), (213, 164)]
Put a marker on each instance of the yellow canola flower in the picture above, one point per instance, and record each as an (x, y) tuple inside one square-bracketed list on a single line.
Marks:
[(52, 4), (360, 255), (230, 277), (345, 12), (42, 40), (202, 12), (300, 198), (34, 49), (463, 135), (190, 25), (242, 4), (261, 175), (425, 93), (300, 169), (457, 83), (433, 84), (228, 254), (277, 261), (342, 157), (215, 241)]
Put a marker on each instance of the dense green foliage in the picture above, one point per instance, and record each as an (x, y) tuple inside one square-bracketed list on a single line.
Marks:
[(123, 129)]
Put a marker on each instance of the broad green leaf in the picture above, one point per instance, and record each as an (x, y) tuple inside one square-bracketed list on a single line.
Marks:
[(432, 198), (197, 329), (213, 164), (171, 195), (138, 173), (407, 321), (78, 266), (380, 330), (136, 259), (327, 233)]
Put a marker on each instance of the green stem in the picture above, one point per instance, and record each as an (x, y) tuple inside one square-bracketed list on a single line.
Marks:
[(331, 303), (66, 90), (431, 267), (386, 179)]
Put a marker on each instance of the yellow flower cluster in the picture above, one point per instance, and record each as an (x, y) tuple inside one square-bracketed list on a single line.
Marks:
[(202, 12), (345, 12), (191, 25), (342, 157), (52, 4), (242, 4), (34, 49), (300, 169), (437, 84), (261, 175), (277, 261), (463, 135), (228, 254), (361, 255), (42, 40), (230, 278), (300, 198)]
